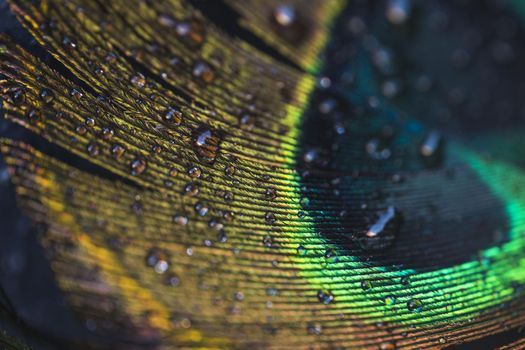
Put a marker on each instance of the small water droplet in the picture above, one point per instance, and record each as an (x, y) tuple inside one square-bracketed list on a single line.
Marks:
[(204, 72), (284, 15), (314, 328), (366, 285), (195, 172), (389, 300), (172, 280), (173, 116), (90, 122), (157, 259), (398, 11), (201, 209), (270, 193), (138, 80), (229, 170), (107, 133), (18, 97), (180, 219), (138, 166), (269, 217), (387, 346), (415, 305), (405, 280), (191, 189), (267, 241), (330, 256), (302, 251), (325, 297), (117, 151), (46, 95), (69, 43), (93, 149), (34, 115)]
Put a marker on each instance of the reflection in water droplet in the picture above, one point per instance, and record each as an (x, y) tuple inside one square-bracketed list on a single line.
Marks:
[(398, 11), (284, 15), (379, 225), (382, 232)]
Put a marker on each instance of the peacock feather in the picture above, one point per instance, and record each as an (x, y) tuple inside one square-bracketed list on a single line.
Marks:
[(300, 174)]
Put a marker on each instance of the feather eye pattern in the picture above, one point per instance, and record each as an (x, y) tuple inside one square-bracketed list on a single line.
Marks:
[(274, 175)]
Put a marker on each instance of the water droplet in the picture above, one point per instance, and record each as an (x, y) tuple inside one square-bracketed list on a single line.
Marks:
[(201, 209), (222, 237), (172, 280), (302, 251), (267, 241), (18, 97), (398, 11), (271, 292), (389, 300), (382, 233), (270, 193), (46, 95), (138, 80), (107, 133), (239, 296), (229, 170), (269, 217), (195, 172), (204, 72), (207, 144), (138, 166), (117, 151), (173, 116), (314, 328), (191, 189), (330, 256), (81, 129), (405, 280), (247, 121), (68, 42), (180, 219), (157, 259), (191, 32), (415, 305), (76, 94), (366, 285), (93, 149), (388, 346), (432, 149), (325, 297), (90, 122), (34, 115), (284, 15)]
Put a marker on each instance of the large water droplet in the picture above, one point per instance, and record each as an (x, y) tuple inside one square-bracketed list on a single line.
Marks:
[(207, 143)]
